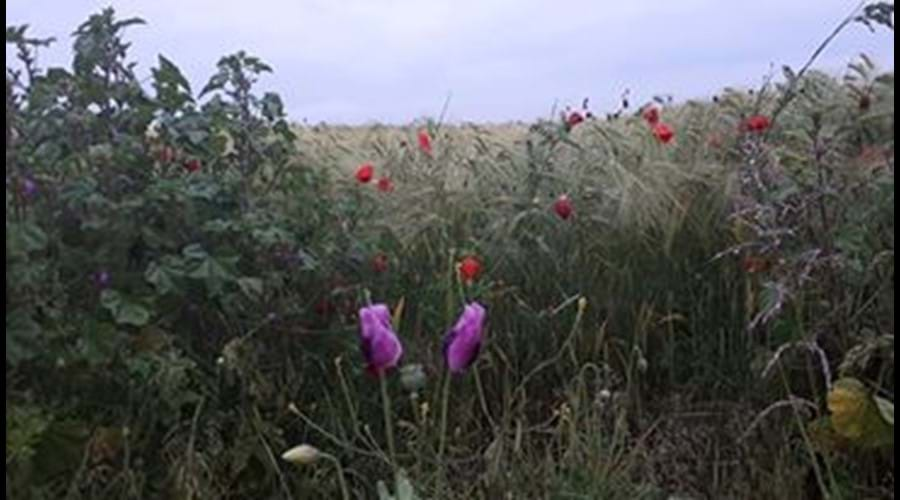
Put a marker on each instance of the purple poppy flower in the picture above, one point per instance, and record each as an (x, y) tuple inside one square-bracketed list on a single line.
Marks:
[(102, 280), (463, 342), (28, 188), (379, 344)]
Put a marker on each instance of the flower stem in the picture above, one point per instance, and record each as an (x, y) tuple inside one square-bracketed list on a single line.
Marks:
[(388, 420), (482, 399), (345, 492), (444, 406)]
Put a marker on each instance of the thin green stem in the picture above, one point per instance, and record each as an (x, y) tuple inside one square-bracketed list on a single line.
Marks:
[(791, 91), (460, 287), (453, 277), (345, 445), (442, 439), (388, 420), (345, 388), (444, 407), (342, 481), (483, 400)]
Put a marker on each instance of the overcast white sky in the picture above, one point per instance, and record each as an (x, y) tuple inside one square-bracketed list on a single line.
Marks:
[(358, 61)]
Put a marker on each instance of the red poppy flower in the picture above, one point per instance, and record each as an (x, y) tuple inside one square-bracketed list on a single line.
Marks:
[(365, 172), (192, 165), (469, 269), (425, 142), (872, 157), (380, 263), (663, 133), (714, 140), (563, 207), (385, 185), (757, 123), (754, 264), (167, 154), (573, 119), (865, 102), (324, 307), (651, 115)]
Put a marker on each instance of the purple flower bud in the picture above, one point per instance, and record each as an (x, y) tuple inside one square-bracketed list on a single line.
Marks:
[(463, 342), (379, 344)]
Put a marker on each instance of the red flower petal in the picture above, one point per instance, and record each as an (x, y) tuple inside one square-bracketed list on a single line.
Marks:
[(425, 142), (365, 173), (574, 119), (757, 123), (380, 263), (651, 115), (753, 264), (469, 269), (663, 133), (385, 185), (166, 154), (192, 165), (563, 207), (324, 307)]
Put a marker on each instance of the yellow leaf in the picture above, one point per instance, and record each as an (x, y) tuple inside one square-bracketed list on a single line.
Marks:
[(847, 404), (856, 416)]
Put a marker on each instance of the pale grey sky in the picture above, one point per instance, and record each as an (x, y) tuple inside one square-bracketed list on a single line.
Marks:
[(358, 61)]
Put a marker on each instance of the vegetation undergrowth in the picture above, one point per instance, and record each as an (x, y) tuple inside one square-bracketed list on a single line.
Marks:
[(691, 301)]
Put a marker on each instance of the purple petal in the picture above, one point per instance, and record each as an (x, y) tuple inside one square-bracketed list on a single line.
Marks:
[(462, 343), (102, 279), (379, 344), (29, 188)]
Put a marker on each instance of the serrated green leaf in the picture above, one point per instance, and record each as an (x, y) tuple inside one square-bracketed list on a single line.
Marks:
[(252, 287), (161, 277), (131, 313), (111, 300), (170, 72), (29, 236), (123, 310), (196, 137), (213, 273), (216, 82), (209, 268), (194, 251)]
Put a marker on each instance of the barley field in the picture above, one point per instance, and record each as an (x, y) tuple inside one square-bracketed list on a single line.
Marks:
[(674, 300)]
